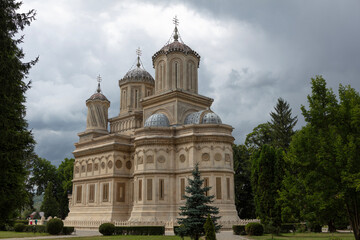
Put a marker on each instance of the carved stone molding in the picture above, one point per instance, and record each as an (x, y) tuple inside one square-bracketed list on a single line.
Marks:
[(149, 159), (110, 164), (218, 157), (140, 160), (118, 164), (128, 165), (103, 165), (182, 158), (205, 157), (161, 159)]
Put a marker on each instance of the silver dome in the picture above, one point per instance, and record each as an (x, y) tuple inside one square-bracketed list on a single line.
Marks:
[(193, 118), (157, 120), (211, 118), (137, 74)]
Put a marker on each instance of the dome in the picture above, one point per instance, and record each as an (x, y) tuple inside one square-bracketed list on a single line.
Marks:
[(137, 74), (176, 46), (157, 120), (98, 96), (203, 117)]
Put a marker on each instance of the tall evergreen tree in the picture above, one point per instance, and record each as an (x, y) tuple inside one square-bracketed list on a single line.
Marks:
[(50, 206), (197, 207), (282, 125), (16, 140)]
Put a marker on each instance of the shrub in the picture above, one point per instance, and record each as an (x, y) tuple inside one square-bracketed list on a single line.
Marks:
[(239, 229), (35, 228), (254, 229), (300, 228), (287, 227), (26, 222), (107, 229), (179, 231), (209, 229), (19, 227), (54, 226), (140, 230), (68, 230)]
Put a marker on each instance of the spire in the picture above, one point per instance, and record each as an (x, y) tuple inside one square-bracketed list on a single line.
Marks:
[(176, 23), (138, 53), (99, 80)]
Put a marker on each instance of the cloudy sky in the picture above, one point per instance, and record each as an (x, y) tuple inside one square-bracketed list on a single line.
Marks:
[(252, 53)]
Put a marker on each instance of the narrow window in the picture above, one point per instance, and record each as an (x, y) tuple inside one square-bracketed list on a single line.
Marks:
[(105, 192), (176, 75), (120, 197), (149, 189), (206, 184), (182, 188), (78, 194), (132, 192), (161, 189), (228, 187), (136, 98), (218, 188), (91, 193), (140, 189)]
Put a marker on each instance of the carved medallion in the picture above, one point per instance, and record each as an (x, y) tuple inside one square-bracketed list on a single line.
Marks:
[(140, 160), (96, 166), (77, 170), (83, 168), (149, 159), (118, 164), (128, 165), (218, 157), (161, 159), (205, 157), (110, 164), (182, 158), (89, 167), (227, 157), (103, 165)]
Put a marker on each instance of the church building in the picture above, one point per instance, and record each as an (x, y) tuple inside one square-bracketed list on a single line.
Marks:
[(133, 168)]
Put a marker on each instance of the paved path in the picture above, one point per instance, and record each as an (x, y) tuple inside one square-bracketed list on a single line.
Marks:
[(224, 235)]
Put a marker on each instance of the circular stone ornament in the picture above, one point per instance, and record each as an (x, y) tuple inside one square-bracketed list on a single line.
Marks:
[(182, 158), (103, 165), (77, 169), (118, 164), (218, 157), (149, 159), (161, 159), (110, 164), (205, 157), (128, 165)]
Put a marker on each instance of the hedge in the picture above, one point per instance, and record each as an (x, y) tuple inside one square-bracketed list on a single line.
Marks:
[(287, 227), (68, 230), (26, 222), (35, 228), (19, 227), (254, 229), (140, 230), (239, 230)]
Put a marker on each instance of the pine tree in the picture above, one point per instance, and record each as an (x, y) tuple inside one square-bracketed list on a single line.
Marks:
[(50, 206), (282, 125), (16, 140), (197, 207), (209, 229)]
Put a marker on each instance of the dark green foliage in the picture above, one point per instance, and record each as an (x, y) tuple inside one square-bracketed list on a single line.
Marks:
[(65, 176), (239, 230), (267, 174), (254, 229), (37, 215), (244, 200), (323, 172), (287, 227), (107, 229), (197, 207), (19, 227), (26, 222), (140, 230), (261, 135), (68, 230), (179, 231), (43, 172), (35, 228), (49, 206), (54, 226), (209, 229), (16, 141), (282, 125)]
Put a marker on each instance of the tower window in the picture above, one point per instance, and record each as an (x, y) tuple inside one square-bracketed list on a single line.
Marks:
[(105, 192), (218, 188), (149, 189), (136, 98), (161, 189), (140, 190), (91, 193), (176, 75), (182, 188), (78, 194), (228, 187), (206, 184)]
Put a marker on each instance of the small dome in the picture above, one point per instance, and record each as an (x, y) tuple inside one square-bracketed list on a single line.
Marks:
[(98, 96), (137, 74), (203, 117), (211, 118), (157, 120)]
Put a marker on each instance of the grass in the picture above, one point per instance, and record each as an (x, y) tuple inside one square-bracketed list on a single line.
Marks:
[(306, 236), (133, 237), (10, 234)]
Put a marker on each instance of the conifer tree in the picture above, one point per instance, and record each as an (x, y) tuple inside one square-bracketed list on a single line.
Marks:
[(209, 229), (16, 140), (50, 206), (197, 207)]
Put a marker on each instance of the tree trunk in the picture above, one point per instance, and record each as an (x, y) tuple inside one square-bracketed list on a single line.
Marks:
[(354, 218), (331, 226)]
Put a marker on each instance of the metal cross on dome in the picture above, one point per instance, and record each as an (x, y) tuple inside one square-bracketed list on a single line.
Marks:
[(138, 53), (99, 81), (176, 21)]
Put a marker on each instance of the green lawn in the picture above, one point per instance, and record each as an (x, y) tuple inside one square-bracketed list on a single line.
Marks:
[(307, 236), (120, 237), (9, 234)]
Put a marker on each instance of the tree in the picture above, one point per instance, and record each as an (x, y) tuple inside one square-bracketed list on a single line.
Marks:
[(43, 172), (325, 156), (16, 140), (262, 134), (267, 172), (65, 176), (244, 199), (282, 125), (197, 207), (50, 206), (209, 229)]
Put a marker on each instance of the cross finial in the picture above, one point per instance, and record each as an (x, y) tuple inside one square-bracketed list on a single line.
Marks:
[(138, 53), (176, 21), (99, 81)]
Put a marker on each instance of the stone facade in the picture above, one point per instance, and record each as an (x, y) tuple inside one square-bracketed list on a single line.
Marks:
[(137, 172)]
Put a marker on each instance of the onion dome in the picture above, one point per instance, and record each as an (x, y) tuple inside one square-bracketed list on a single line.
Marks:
[(138, 74), (203, 117), (98, 95), (157, 120)]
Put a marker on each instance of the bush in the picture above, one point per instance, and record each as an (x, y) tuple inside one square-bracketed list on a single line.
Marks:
[(287, 227), (254, 229), (107, 229), (68, 230), (178, 231), (19, 227), (54, 226), (301, 228), (239, 230), (26, 222), (209, 229), (140, 230)]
